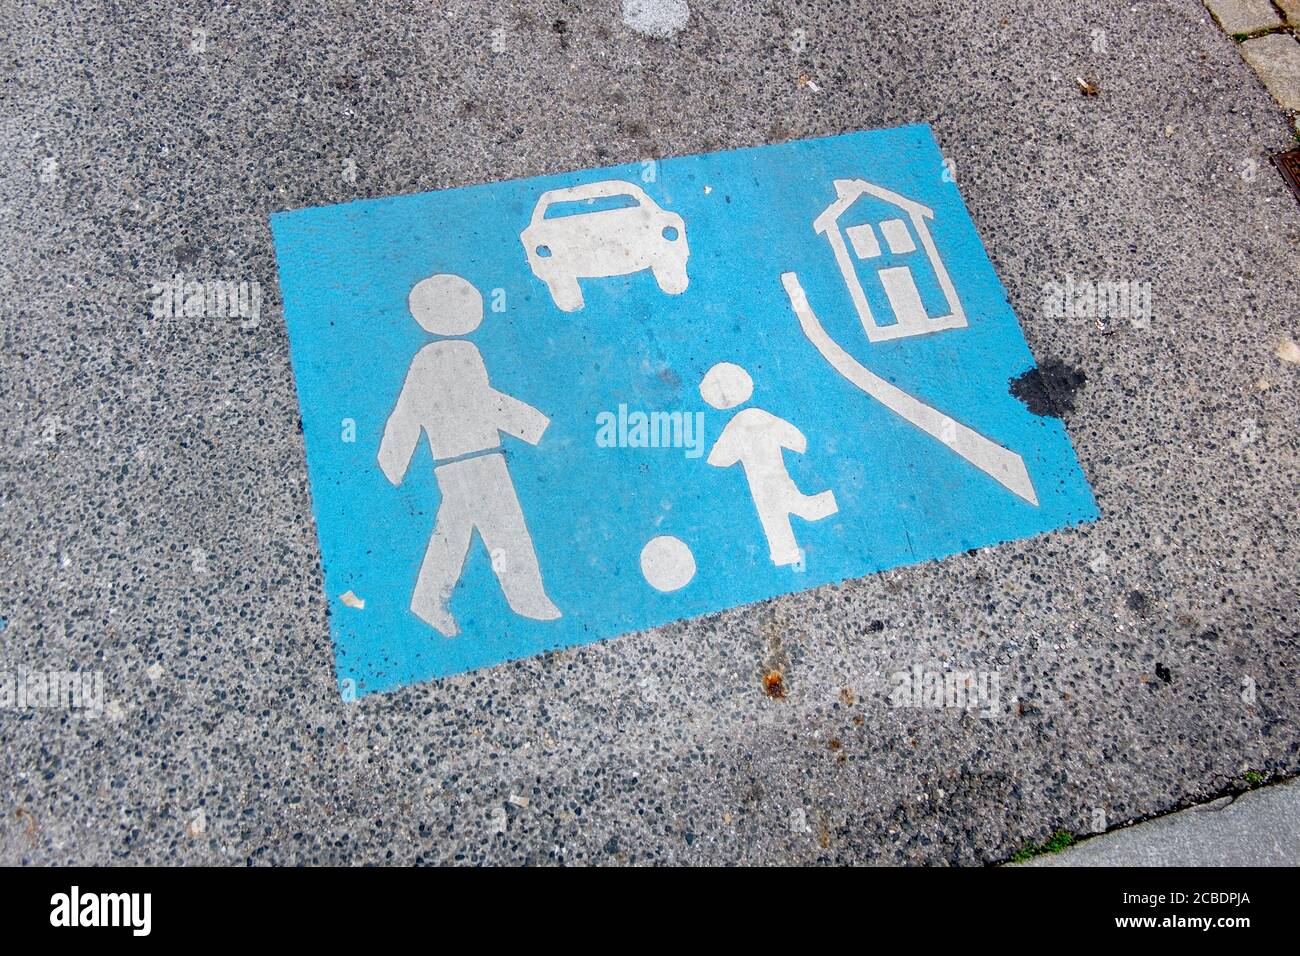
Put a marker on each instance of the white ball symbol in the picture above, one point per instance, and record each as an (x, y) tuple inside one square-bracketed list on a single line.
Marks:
[(667, 563)]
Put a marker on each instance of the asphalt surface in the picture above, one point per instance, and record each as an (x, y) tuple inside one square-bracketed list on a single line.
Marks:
[(155, 518)]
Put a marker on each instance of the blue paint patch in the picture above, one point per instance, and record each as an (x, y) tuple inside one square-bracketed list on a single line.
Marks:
[(644, 342)]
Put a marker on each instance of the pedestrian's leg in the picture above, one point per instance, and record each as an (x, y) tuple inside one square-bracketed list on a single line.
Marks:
[(500, 521), (444, 558)]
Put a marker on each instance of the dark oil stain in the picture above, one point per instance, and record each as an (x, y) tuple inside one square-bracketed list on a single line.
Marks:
[(1049, 389)]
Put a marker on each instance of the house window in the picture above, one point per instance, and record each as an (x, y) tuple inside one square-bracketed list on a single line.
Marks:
[(863, 240), (897, 236)]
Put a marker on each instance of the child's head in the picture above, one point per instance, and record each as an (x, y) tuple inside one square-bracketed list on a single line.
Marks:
[(726, 386), (446, 305)]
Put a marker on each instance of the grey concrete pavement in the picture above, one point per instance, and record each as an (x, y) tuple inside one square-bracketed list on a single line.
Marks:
[(1259, 828), (155, 518)]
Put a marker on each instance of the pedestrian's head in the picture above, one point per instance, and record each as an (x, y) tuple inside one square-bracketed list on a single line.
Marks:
[(726, 386), (446, 305)]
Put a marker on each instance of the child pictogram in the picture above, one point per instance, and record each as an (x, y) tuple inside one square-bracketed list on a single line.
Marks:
[(756, 439)]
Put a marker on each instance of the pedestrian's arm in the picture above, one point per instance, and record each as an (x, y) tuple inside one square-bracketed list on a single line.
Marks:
[(723, 453), (519, 418), (401, 435), (789, 436)]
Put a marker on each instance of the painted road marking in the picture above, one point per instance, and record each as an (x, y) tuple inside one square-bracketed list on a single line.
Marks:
[(1005, 466), (606, 242), (545, 412), (447, 398), (756, 440)]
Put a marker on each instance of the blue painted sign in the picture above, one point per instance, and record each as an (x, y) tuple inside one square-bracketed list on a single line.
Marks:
[(546, 412)]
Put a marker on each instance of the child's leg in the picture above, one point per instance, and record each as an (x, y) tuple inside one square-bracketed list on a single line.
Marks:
[(815, 507), (774, 516)]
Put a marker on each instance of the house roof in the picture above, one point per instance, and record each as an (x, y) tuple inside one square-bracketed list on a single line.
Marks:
[(849, 191)]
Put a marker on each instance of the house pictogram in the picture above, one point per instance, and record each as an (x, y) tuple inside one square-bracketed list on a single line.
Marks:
[(901, 234)]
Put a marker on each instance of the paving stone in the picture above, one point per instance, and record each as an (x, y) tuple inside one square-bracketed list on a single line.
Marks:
[(1291, 10), (1276, 58), (1259, 828), (1244, 16)]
